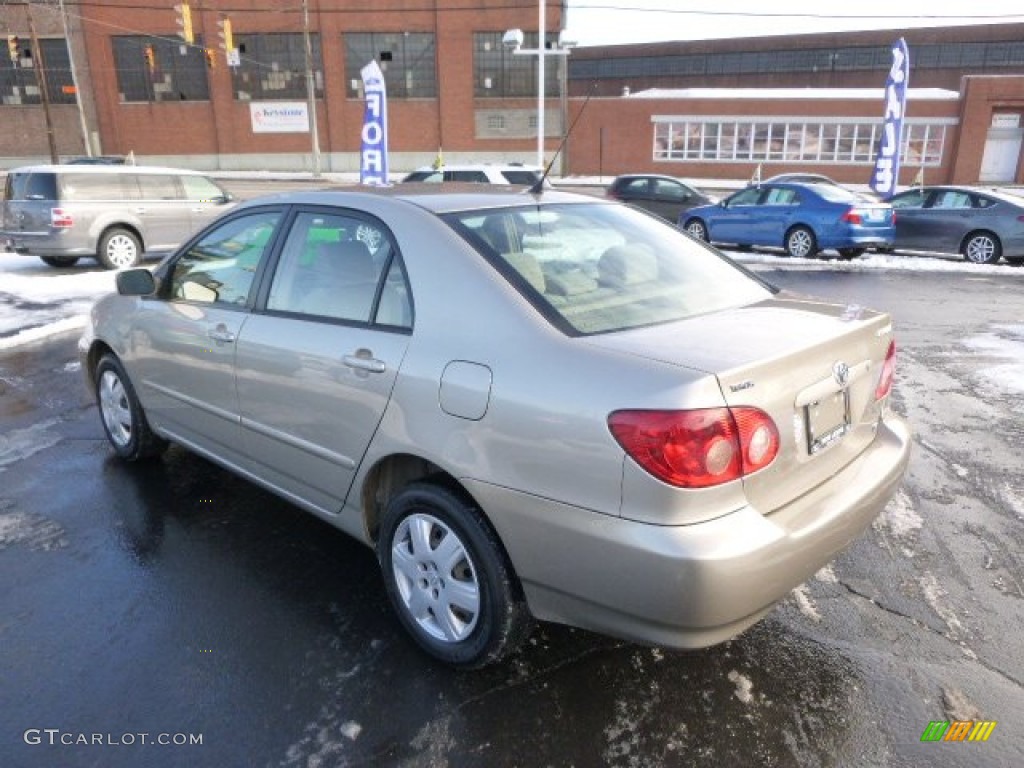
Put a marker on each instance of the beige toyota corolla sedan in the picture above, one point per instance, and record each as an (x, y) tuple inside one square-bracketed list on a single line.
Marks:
[(533, 406)]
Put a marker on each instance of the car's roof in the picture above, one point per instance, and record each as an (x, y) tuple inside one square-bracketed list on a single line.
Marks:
[(646, 176), (996, 192), (437, 198), (104, 169), (479, 166)]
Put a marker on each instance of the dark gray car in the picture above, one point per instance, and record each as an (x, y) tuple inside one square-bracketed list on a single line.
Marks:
[(981, 224), (664, 196)]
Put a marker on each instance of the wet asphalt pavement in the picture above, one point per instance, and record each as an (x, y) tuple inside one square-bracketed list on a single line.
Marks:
[(172, 601)]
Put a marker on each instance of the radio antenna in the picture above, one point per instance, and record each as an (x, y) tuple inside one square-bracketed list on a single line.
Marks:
[(538, 187)]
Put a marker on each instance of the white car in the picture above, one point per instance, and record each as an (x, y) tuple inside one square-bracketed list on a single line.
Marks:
[(514, 173)]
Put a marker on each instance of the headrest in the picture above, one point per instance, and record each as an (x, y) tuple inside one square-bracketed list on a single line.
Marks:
[(623, 265)]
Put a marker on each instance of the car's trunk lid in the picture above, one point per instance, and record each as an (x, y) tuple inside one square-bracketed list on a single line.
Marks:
[(812, 366)]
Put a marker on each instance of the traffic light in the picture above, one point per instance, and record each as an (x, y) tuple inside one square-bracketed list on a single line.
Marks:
[(227, 40), (184, 21), (150, 55), (211, 57), (12, 47)]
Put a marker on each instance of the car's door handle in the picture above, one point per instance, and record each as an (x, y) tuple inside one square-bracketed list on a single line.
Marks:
[(363, 360), (140, 210), (221, 334)]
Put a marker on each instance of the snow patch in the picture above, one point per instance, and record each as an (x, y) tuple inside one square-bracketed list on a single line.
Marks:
[(900, 518), (351, 730), (1005, 342), (21, 443), (806, 604), (744, 686), (933, 595), (827, 575), (32, 530)]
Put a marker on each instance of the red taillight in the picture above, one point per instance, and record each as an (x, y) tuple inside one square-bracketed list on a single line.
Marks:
[(888, 372), (852, 216), (699, 448), (60, 218)]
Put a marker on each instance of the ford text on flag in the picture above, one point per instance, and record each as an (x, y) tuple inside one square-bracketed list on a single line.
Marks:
[(373, 156), (887, 161)]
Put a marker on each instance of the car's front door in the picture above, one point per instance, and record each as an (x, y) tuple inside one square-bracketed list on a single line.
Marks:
[(317, 364), (733, 222), (669, 198), (184, 341)]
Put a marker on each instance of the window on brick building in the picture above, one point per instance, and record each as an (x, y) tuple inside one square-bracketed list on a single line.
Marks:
[(160, 69), (407, 59), (19, 81), (799, 140), (273, 67), (499, 73)]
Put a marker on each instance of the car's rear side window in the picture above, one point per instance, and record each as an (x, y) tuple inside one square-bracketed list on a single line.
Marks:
[(602, 268), (91, 186)]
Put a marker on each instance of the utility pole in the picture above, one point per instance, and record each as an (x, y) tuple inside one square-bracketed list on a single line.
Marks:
[(74, 81), (311, 92), (44, 91)]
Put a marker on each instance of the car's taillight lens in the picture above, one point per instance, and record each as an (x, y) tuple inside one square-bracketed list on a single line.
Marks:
[(888, 372), (852, 216), (60, 218), (698, 448)]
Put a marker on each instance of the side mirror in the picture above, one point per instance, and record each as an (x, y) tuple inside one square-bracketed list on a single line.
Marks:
[(135, 282)]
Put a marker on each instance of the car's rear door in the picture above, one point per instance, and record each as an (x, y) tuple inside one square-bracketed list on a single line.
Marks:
[(913, 221), (317, 364)]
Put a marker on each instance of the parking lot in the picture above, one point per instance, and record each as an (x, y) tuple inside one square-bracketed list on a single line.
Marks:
[(146, 606)]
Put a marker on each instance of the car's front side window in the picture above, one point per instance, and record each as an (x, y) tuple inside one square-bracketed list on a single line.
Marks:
[(219, 267)]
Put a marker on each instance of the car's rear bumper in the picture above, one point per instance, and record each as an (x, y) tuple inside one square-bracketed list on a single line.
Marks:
[(695, 585)]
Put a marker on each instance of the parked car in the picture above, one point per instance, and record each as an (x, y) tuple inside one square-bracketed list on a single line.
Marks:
[(97, 160), (113, 213), (516, 174), (547, 407), (665, 196), (801, 218), (981, 224), (801, 178)]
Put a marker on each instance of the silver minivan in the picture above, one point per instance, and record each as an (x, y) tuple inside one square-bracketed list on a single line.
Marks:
[(114, 214)]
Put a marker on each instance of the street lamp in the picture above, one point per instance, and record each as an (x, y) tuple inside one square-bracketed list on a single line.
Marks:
[(513, 41)]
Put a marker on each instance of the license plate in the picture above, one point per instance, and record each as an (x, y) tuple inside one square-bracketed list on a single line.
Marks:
[(876, 215), (827, 420)]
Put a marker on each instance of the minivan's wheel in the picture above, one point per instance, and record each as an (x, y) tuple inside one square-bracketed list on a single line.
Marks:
[(850, 253), (60, 261), (801, 243), (449, 579), (119, 249), (982, 248), (124, 421), (698, 229)]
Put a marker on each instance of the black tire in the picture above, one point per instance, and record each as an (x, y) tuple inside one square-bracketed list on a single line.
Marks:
[(119, 249), (850, 253), (483, 619), (801, 243), (982, 248), (698, 229), (121, 413), (60, 261)]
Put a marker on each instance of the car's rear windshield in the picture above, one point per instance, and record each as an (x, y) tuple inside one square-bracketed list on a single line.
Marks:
[(25, 185), (524, 177), (599, 268), (836, 194)]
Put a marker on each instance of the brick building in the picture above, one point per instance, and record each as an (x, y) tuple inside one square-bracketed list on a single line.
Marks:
[(704, 109)]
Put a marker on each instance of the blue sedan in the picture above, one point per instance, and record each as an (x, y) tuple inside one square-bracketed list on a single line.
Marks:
[(802, 218)]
